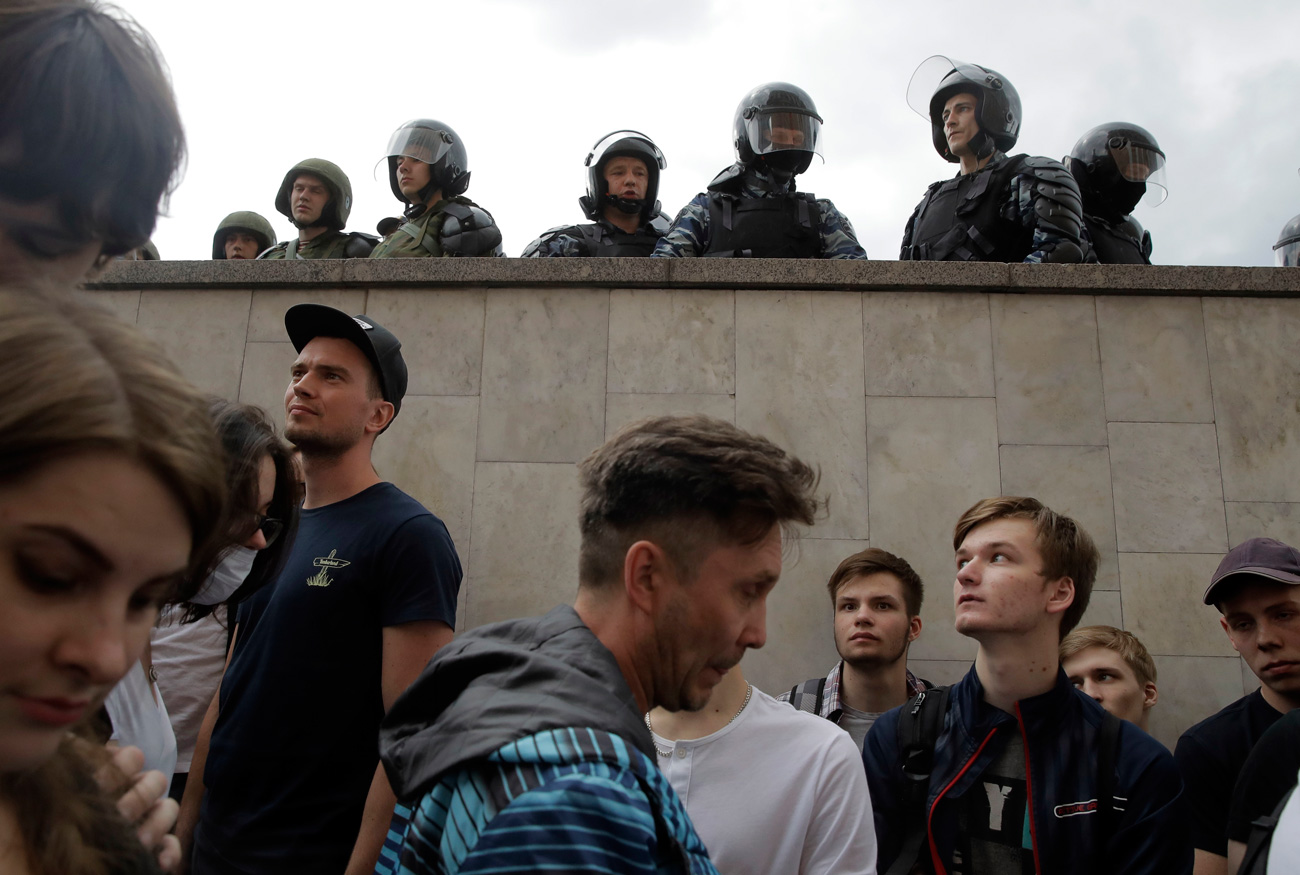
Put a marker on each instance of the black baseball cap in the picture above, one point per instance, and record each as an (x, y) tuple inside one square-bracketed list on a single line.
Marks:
[(306, 321), (1258, 557)]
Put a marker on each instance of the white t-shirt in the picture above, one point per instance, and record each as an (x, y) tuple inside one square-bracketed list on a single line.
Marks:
[(188, 659), (140, 719), (776, 790)]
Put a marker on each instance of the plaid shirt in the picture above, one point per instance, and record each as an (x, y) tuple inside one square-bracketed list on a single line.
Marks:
[(805, 696)]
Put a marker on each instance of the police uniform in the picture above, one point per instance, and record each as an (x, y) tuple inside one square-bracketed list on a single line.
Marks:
[(598, 239), (746, 213), (1116, 242), (452, 227), (331, 244)]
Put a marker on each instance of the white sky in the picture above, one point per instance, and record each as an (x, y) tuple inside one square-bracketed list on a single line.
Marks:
[(530, 86)]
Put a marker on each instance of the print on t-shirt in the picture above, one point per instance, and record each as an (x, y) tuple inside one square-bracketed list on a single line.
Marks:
[(321, 578), (995, 836)]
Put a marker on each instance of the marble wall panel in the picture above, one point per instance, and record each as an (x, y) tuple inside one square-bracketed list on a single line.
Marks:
[(1048, 370), (266, 319), (123, 305), (672, 341), (1074, 481), (1259, 519), (1168, 492), (1153, 361), (429, 453), (543, 387), (929, 460), (1191, 688), (799, 383), (1104, 609), (266, 377), (800, 640), (203, 333), (1162, 603), (441, 334), (523, 554), (622, 409), (937, 344), (1256, 377)]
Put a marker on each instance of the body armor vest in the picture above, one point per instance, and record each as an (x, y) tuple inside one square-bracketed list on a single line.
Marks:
[(960, 219), (603, 242), (1117, 243), (763, 227)]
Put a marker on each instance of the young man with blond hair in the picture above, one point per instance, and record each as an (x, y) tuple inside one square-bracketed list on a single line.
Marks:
[(1113, 668), (1023, 773)]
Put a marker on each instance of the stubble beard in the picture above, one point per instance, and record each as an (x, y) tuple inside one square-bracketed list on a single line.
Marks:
[(876, 662), (318, 446)]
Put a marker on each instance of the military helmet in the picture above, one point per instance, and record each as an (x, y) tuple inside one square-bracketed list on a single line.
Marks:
[(1116, 165), (997, 105), (248, 222), (767, 108), (617, 144), (335, 214), (1286, 251), (437, 145)]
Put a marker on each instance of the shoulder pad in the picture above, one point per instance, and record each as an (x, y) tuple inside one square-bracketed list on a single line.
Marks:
[(359, 245), (276, 251), (660, 223), (531, 250), (1049, 170), (469, 230), (728, 181)]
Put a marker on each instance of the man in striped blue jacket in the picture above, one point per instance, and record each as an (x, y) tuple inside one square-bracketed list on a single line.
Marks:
[(522, 748)]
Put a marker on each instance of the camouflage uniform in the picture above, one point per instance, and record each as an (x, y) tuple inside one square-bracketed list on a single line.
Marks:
[(569, 241), (331, 244), (689, 235), (422, 237), (1050, 231)]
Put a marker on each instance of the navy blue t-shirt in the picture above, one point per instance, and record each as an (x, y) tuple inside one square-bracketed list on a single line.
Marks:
[(295, 748)]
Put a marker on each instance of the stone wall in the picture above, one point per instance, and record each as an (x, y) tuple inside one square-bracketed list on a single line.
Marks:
[(1160, 406)]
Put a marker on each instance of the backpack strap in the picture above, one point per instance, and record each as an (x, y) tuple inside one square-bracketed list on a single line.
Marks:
[(919, 725), (1261, 839), (808, 696)]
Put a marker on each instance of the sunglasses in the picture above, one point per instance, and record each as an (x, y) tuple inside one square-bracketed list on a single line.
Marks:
[(268, 526)]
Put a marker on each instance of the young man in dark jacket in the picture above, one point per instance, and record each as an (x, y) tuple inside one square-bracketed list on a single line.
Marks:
[(1014, 784)]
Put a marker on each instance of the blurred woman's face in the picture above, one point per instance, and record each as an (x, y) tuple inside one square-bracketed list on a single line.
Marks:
[(90, 547)]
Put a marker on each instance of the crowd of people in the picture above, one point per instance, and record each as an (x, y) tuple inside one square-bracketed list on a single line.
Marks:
[(255, 623)]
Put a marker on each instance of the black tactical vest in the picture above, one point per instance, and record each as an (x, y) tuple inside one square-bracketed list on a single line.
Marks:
[(763, 227), (603, 242), (960, 219), (1115, 244)]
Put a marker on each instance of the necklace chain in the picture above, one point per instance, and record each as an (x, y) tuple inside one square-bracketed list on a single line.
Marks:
[(749, 691)]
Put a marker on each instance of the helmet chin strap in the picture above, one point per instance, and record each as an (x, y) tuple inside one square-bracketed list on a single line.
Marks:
[(983, 145), (625, 205)]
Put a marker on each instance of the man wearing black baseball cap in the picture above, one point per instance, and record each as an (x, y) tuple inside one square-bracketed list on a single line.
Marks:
[(366, 596), (1257, 590)]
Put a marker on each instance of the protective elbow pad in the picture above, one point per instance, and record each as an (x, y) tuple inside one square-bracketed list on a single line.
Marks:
[(1058, 205), (469, 231)]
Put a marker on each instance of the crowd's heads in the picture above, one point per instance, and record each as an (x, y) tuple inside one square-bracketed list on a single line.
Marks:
[(1114, 668), (997, 105), (689, 484), (112, 491), (442, 152), (636, 149), (876, 597), (384, 369), (777, 129), (1061, 548), (315, 193), (90, 138), (1257, 590), (242, 234), (1116, 165), (876, 561), (1286, 251)]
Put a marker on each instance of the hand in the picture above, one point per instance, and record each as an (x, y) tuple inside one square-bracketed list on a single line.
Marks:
[(144, 804)]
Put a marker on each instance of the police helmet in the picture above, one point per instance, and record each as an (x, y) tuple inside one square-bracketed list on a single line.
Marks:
[(1286, 251), (335, 214), (777, 127), (248, 222), (437, 145), (1116, 165), (997, 105), (622, 144)]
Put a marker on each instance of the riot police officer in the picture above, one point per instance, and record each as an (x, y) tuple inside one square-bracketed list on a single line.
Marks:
[(242, 234), (1117, 165), (1286, 251), (428, 170), (316, 195), (752, 209), (622, 200), (997, 208)]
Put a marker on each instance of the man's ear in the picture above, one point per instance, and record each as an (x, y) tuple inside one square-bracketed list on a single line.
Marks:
[(645, 574), (1223, 621), (380, 417), (914, 628), (1060, 595), (1149, 695)]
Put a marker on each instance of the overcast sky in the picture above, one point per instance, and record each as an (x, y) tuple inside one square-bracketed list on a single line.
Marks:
[(530, 86)]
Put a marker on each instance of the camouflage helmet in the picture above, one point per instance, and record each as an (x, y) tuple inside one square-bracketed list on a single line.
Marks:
[(997, 103), (335, 214), (248, 222), (437, 145)]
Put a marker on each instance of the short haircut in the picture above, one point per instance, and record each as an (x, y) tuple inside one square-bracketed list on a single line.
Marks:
[(1124, 643), (88, 117), (1067, 550), (874, 561), (687, 483)]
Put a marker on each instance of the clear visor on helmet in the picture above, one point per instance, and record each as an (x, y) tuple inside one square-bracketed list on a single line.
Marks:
[(932, 71), (780, 131), (597, 152), (422, 144), (1288, 254), (1141, 164)]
